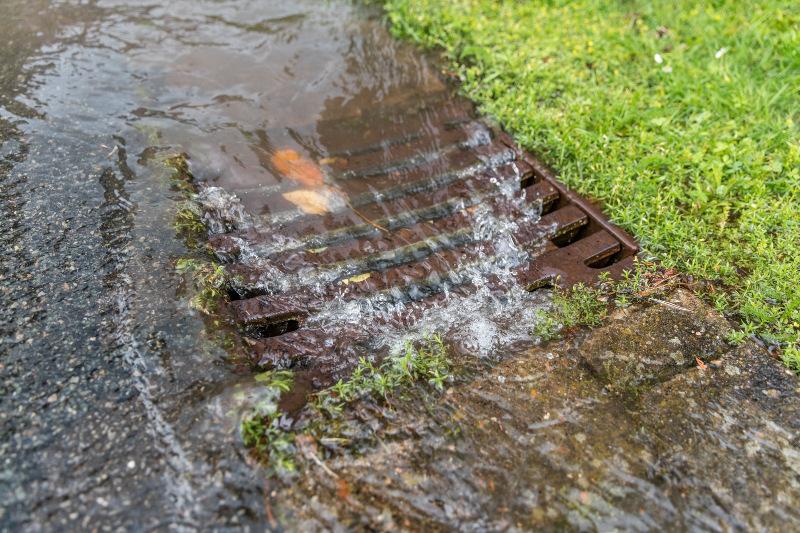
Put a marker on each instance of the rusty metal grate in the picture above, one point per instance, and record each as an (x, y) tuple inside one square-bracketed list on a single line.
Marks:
[(412, 172)]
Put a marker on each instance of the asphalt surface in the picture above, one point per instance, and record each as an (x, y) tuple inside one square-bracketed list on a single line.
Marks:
[(109, 409)]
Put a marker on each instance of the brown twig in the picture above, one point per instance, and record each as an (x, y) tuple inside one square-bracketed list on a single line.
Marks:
[(363, 216), (658, 285)]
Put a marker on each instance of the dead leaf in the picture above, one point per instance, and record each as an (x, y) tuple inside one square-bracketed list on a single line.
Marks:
[(342, 489), (292, 165), (356, 279), (700, 364), (333, 161), (311, 202)]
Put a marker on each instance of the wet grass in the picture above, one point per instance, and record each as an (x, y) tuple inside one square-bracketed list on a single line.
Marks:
[(425, 363), (208, 280), (577, 306), (682, 118), (267, 432), (261, 429), (580, 305)]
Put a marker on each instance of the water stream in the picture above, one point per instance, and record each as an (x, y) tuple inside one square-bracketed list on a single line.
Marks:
[(89, 91)]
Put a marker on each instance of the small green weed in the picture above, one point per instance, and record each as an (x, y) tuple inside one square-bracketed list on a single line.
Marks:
[(261, 429), (736, 337), (181, 177), (580, 305), (587, 306), (180, 164), (208, 280), (188, 221), (428, 363), (791, 357)]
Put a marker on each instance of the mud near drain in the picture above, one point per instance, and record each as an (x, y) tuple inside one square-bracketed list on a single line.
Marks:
[(120, 410)]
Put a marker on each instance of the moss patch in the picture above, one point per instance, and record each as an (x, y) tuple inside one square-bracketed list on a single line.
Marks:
[(208, 281)]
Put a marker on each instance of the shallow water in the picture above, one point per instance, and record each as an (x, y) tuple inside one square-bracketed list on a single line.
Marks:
[(121, 404)]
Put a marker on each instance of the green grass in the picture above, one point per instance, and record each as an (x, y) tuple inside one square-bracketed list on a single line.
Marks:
[(696, 151), (577, 306)]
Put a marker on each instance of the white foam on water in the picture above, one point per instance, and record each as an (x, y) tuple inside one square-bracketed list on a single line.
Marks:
[(222, 211), (483, 307)]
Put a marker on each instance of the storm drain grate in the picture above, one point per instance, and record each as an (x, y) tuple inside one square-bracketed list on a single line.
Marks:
[(411, 180)]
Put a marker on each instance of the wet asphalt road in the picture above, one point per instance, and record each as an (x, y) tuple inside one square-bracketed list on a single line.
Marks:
[(104, 415)]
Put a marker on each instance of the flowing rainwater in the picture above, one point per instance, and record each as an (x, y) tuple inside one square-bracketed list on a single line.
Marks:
[(89, 93)]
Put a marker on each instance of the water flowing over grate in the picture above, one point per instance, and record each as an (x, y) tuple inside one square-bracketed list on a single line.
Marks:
[(407, 213)]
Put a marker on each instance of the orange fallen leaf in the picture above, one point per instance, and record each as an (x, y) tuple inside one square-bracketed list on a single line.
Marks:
[(292, 165), (700, 364), (342, 489), (311, 202)]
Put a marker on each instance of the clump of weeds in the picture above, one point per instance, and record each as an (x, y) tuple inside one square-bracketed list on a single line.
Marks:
[(264, 428), (427, 363), (581, 305), (577, 306), (208, 280), (188, 222), (269, 435)]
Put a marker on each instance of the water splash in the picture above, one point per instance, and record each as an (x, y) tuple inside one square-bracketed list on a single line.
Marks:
[(478, 303), (223, 211)]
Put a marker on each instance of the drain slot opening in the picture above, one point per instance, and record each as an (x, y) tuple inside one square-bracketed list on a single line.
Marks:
[(604, 260), (263, 331), (570, 233)]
